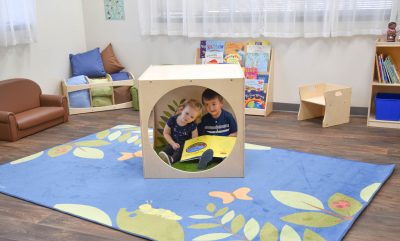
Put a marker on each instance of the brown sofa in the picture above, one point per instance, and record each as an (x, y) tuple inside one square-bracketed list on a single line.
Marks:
[(24, 110)]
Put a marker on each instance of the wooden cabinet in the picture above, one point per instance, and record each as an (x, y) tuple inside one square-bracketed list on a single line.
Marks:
[(378, 85)]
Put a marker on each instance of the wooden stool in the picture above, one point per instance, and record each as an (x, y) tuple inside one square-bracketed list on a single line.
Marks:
[(328, 100)]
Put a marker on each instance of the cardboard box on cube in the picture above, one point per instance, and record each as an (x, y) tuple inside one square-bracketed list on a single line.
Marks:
[(163, 87)]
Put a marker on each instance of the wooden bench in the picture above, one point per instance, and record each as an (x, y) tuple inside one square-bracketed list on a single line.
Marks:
[(328, 100)]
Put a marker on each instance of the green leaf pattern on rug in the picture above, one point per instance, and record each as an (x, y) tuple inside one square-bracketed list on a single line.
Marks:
[(86, 211), (312, 219), (212, 236), (310, 235), (249, 146), (113, 136), (344, 205), (88, 152), (269, 232), (102, 134), (298, 200), (27, 158), (369, 191), (158, 224), (289, 234), (251, 229), (92, 143), (59, 150)]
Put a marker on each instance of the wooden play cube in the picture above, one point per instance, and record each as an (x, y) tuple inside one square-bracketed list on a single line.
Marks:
[(328, 100), (162, 88)]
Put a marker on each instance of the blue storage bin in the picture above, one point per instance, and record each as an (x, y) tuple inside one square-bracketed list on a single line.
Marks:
[(387, 106)]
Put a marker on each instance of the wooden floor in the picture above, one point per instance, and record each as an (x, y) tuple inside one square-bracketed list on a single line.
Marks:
[(22, 221)]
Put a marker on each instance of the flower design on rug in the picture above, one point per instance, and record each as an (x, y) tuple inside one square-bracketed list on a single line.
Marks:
[(228, 197)]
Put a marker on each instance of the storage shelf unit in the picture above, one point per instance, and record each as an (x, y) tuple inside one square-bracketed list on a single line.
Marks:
[(71, 88), (385, 48)]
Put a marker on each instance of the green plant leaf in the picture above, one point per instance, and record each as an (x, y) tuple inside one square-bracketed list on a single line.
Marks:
[(114, 135), (88, 152), (125, 127), (369, 191), (102, 134), (211, 207), (160, 131), (312, 219), (212, 236), (298, 200), (27, 158), (124, 137), (167, 114), (269, 233), (172, 108), (251, 229), (132, 139), (92, 143), (344, 205), (182, 101), (85, 211), (204, 225), (237, 223), (59, 150), (175, 103), (164, 118), (201, 216), (161, 123), (310, 235), (221, 212), (289, 234), (249, 146), (228, 217)]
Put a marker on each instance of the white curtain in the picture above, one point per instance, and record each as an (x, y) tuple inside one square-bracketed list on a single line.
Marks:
[(269, 18), (17, 22)]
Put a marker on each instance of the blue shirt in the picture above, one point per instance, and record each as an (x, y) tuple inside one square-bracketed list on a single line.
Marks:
[(180, 133), (224, 125)]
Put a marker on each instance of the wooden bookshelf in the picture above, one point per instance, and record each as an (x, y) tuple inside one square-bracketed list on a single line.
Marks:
[(385, 48), (71, 88)]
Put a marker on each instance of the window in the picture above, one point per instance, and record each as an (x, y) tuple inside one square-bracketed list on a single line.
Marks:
[(17, 22), (269, 18)]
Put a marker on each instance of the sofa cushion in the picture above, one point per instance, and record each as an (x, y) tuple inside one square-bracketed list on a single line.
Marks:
[(120, 76), (88, 63), (37, 116), (110, 61)]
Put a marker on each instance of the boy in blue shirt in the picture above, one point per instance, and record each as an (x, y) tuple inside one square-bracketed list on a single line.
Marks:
[(217, 122)]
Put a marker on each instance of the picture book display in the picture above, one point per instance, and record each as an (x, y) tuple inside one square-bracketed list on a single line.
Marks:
[(195, 147), (212, 51)]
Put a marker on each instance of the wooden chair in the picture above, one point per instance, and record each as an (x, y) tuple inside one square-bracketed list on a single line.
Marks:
[(328, 100)]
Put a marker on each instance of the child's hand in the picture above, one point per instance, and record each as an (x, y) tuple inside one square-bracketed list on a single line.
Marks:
[(175, 146)]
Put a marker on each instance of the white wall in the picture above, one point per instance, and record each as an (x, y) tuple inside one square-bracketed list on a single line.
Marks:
[(60, 31), (347, 61)]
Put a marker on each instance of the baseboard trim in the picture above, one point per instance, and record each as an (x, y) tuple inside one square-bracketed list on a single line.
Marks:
[(278, 106)]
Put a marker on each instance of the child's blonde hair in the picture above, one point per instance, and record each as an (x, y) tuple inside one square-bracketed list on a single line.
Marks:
[(193, 104)]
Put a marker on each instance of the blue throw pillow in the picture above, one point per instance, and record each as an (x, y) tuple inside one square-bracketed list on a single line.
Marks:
[(120, 76), (80, 98), (88, 63)]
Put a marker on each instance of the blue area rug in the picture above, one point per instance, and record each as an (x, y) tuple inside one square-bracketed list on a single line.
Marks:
[(285, 195)]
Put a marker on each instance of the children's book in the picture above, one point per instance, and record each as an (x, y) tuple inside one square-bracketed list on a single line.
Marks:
[(212, 51), (254, 84), (255, 99), (250, 73), (234, 53), (195, 147), (257, 56)]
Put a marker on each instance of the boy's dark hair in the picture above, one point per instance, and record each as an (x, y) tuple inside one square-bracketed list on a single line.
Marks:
[(389, 24), (209, 94)]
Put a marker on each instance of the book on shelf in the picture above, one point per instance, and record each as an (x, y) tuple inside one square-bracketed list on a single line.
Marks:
[(255, 99), (212, 51), (257, 56), (234, 53), (378, 71), (195, 147), (254, 84)]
